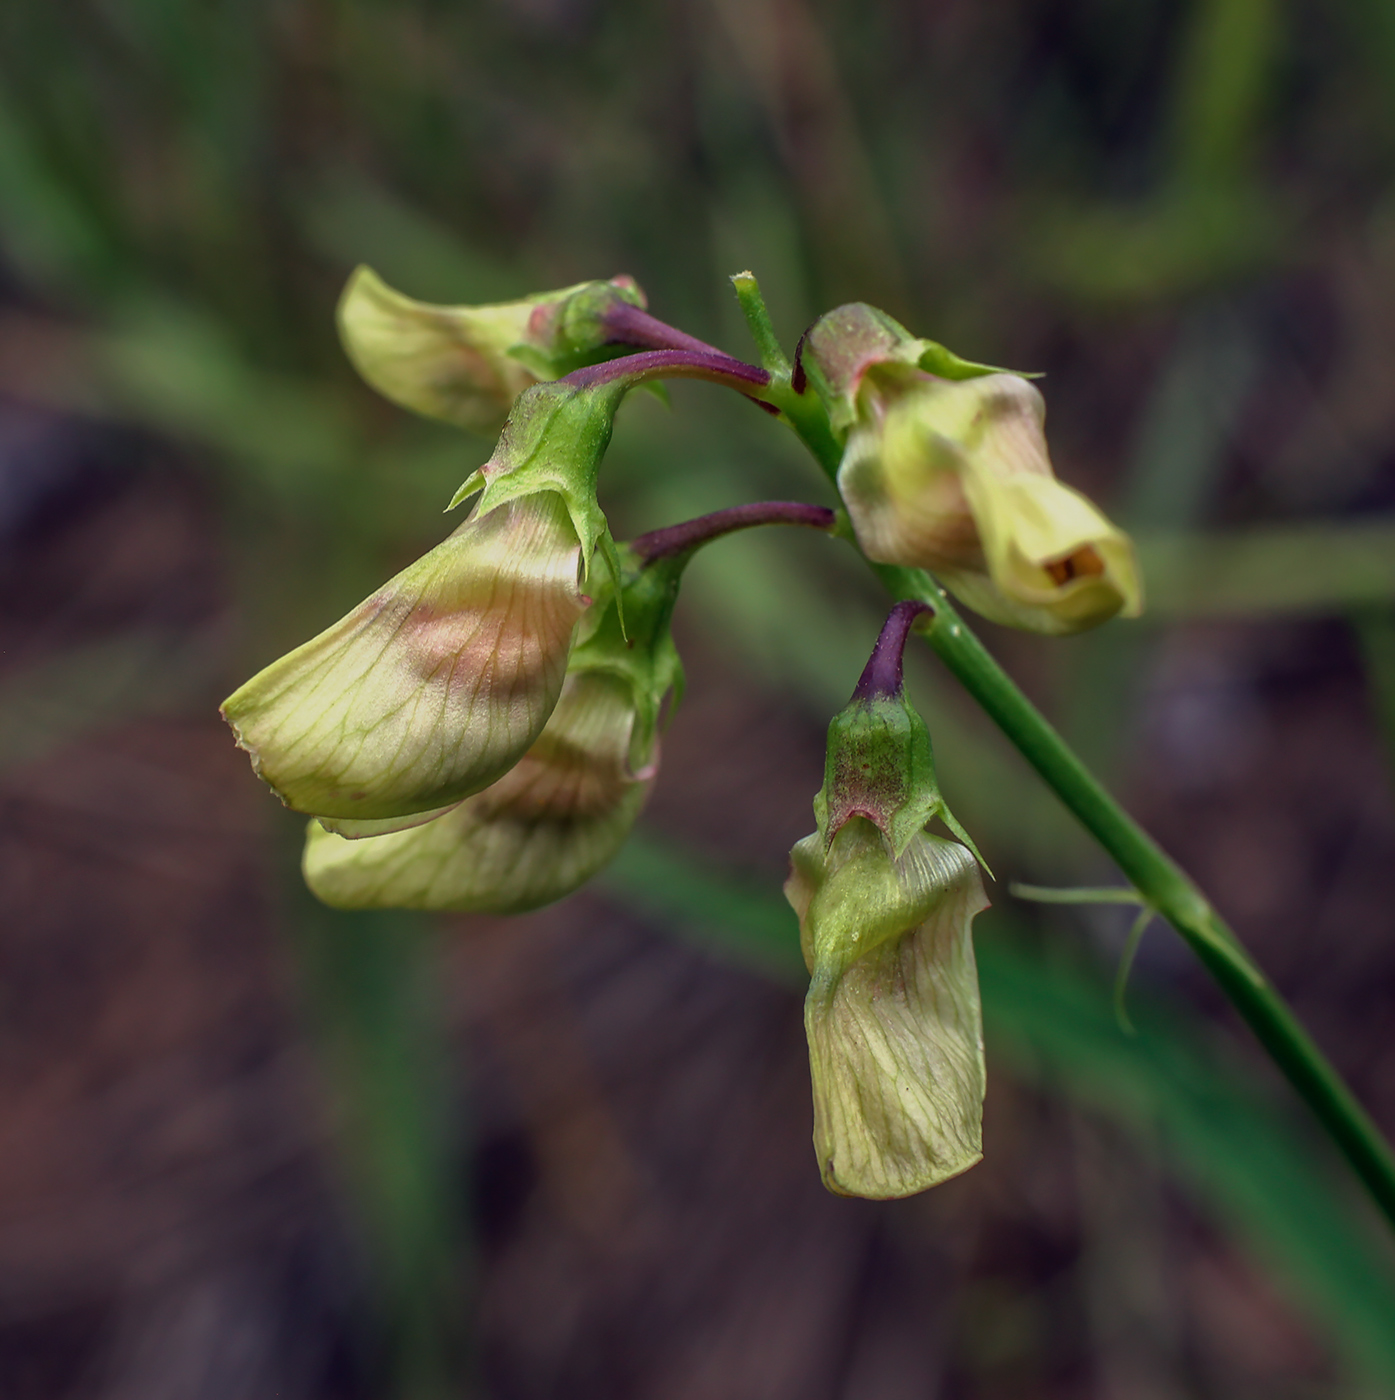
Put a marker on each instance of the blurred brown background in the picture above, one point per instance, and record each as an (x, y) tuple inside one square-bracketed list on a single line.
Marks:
[(250, 1148)]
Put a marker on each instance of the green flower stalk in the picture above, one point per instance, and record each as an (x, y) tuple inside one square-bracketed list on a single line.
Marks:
[(566, 808), (945, 468), (885, 917)]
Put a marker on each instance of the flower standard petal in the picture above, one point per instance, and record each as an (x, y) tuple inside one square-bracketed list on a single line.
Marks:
[(434, 686)]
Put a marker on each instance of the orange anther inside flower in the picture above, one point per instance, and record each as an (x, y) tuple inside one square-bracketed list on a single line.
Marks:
[(1084, 563)]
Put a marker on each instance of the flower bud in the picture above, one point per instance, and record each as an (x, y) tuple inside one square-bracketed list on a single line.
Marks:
[(885, 917), (892, 1014), (436, 685), (945, 468), (554, 819), (467, 364)]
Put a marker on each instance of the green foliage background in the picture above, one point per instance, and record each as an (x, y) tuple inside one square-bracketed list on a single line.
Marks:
[(1108, 190)]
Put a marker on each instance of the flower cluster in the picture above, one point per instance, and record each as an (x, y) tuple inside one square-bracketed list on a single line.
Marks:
[(885, 919), (480, 733)]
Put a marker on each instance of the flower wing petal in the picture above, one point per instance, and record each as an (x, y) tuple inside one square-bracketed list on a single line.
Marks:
[(532, 837)]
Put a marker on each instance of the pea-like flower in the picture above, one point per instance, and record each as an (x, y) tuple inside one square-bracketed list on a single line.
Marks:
[(467, 364), (892, 1013), (551, 822), (566, 808), (432, 687), (437, 684), (885, 917), (945, 467)]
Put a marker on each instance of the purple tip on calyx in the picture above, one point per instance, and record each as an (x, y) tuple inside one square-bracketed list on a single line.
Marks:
[(629, 325), (881, 680), (799, 380)]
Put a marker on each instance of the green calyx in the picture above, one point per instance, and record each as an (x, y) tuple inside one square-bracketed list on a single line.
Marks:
[(846, 342), (572, 332), (554, 440), (629, 638), (880, 765)]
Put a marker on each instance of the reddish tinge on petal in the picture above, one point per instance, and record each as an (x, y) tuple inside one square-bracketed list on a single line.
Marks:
[(432, 688), (535, 835)]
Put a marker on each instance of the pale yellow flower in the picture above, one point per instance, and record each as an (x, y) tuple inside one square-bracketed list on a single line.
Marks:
[(953, 476), (463, 364), (892, 1013), (433, 687)]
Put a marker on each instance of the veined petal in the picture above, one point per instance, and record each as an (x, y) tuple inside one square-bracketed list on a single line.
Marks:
[(892, 1013), (954, 477), (919, 511), (447, 362), (532, 837), (432, 688)]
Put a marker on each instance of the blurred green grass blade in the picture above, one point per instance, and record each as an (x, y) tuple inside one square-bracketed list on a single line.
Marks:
[(1236, 1152), (737, 921), (1224, 81), (349, 219), (1307, 568), (1055, 1024), (177, 370), (372, 982), (44, 226), (59, 698), (1375, 629), (1193, 408)]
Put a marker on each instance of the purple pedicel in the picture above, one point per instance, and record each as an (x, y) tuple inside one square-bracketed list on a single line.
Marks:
[(678, 539), (669, 364), (882, 677)]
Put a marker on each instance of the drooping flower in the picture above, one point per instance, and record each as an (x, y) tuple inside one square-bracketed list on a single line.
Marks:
[(437, 684), (432, 687), (945, 467), (885, 914), (467, 364), (565, 810), (892, 1013), (560, 814)]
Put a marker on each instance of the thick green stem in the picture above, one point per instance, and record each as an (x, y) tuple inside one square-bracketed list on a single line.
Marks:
[(1162, 883), (1156, 876)]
